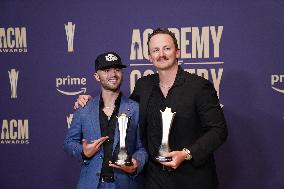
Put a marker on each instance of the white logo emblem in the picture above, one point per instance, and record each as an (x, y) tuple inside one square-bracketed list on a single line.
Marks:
[(70, 29), (111, 57), (13, 75), (69, 119)]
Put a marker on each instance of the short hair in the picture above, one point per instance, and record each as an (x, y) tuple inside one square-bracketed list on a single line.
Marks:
[(162, 31)]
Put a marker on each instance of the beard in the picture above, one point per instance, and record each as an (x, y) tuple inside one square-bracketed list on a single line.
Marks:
[(107, 85)]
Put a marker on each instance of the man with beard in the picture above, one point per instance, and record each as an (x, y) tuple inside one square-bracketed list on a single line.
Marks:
[(198, 127), (93, 137)]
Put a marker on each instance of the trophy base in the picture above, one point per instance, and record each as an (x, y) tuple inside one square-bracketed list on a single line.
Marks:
[(123, 162), (163, 159)]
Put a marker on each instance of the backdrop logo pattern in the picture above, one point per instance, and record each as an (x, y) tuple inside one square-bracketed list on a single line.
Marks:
[(15, 131), (69, 119), (277, 80), (64, 85), (13, 75), (13, 40), (70, 29)]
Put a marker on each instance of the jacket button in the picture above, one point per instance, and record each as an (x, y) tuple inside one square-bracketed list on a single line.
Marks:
[(97, 174)]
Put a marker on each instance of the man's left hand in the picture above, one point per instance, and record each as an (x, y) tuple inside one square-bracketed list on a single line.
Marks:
[(177, 158), (126, 168)]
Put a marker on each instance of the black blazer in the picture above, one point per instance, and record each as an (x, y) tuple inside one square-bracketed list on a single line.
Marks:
[(205, 132)]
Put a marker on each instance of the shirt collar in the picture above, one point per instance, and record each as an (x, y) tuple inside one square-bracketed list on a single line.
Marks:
[(116, 103), (179, 80)]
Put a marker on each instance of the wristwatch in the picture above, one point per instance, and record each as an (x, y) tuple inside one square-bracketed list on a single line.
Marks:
[(188, 154)]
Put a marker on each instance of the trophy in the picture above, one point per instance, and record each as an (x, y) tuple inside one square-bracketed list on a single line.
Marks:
[(167, 119), (122, 158)]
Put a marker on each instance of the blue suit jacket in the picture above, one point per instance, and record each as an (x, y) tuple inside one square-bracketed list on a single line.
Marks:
[(86, 125)]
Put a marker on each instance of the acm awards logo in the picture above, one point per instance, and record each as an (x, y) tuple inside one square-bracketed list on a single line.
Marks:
[(69, 119), (70, 29), (15, 131), (72, 84), (277, 80), (13, 76), (13, 40)]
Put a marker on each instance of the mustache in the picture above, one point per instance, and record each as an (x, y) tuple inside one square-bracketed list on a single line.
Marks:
[(163, 58)]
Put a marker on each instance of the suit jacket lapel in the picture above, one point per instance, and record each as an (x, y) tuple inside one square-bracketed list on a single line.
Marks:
[(144, 98), (95, 117)]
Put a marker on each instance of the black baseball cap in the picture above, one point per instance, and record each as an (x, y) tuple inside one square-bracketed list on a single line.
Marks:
[(108, 60)]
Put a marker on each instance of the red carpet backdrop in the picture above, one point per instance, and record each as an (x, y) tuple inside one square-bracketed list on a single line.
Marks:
[(47, 53)]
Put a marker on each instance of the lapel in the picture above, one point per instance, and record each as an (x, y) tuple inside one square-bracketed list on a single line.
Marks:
[(95, 117), (123, 108), (144, 97)]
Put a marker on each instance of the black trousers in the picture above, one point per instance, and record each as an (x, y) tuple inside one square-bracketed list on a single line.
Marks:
[(158, 177)]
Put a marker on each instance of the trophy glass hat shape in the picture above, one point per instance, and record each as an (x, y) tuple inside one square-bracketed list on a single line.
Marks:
[(123, 157), (167, 120)]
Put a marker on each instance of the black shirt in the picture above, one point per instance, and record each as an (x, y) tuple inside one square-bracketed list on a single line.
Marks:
[(158, 102), (107, 129)]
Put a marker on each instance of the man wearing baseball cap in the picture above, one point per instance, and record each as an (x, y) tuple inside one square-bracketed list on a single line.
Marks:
[(93, 137)]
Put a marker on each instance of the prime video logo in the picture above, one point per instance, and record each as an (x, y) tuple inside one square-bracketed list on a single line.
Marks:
[(69, 81), (276, 79)]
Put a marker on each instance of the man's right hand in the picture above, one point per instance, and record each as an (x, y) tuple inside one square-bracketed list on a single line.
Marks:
[(81, 101), (91, 149)]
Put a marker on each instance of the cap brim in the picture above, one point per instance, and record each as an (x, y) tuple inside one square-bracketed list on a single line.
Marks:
[(112, 66)]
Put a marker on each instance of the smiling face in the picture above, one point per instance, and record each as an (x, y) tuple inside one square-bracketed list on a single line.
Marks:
[(162, 52), (110, 78)]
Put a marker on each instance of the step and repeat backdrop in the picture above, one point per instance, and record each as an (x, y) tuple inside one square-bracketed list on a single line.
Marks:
[(47, 53)]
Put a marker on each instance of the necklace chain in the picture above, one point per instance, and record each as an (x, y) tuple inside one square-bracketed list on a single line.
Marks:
[(109, 107)]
